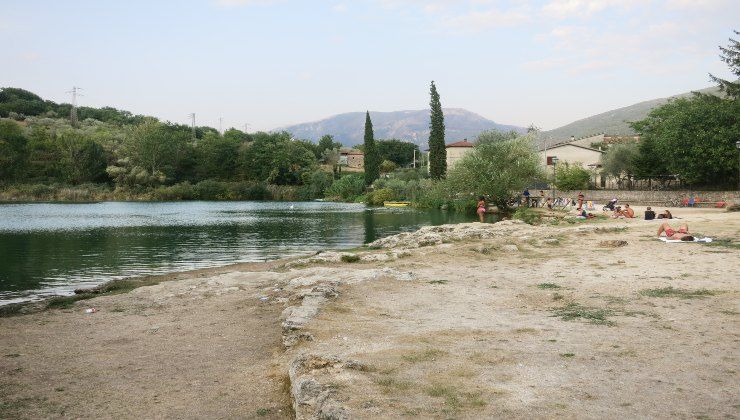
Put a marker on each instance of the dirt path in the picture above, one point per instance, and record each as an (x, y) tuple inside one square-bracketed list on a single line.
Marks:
[(184, 349)]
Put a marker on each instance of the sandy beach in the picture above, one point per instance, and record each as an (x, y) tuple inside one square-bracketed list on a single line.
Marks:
[(594, 319)]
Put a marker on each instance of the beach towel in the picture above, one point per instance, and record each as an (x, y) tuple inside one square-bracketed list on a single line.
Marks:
[(673, 241)]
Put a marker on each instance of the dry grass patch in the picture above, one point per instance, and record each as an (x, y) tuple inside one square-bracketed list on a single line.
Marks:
[(427, 355)]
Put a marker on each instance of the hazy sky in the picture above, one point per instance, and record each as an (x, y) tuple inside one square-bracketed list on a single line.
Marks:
[(276, 62)]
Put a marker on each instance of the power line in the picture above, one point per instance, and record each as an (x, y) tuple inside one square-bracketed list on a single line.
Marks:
[(73, 111), (192, 124)]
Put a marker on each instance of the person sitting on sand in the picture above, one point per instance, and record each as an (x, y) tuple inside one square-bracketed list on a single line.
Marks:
[(670, 233), (649, 214), (665, 215), (628, 212), (481, 208)]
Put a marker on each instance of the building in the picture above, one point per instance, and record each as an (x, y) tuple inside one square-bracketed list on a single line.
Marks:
[(455, 151), (352, 158), (575, 153), (572, 153)]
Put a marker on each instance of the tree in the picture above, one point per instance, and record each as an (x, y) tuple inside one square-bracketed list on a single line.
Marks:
[(149, 154), (731, 56), (372, 159), (217, 157), (12, 149), (82, 159), (619, 162), (275, 158), (495, 136), (387, 166), (21, 102), (236, 135), (648, 164), (695, 139), (497, 170), (437, 151), (326, 142), (571, 177), (397, 151)]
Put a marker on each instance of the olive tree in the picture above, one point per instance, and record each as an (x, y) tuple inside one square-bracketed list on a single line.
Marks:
[(497, 170)]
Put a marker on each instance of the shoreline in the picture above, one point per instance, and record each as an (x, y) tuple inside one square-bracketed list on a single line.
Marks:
[(469, 320)]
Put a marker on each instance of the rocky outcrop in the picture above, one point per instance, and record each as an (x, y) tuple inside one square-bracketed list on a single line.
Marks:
[(435, 235), (312, 397), (312, 288)]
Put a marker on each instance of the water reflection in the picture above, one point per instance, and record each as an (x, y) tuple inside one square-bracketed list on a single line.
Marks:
[(48, 249)]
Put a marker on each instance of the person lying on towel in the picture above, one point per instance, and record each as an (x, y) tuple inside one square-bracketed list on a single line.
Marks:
[(681, 234)]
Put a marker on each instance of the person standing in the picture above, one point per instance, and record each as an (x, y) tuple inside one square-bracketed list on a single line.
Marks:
[(526, 196), (481, 210), (581, 197)]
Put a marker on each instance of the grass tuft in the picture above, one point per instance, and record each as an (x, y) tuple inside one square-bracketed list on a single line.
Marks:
[(438, 282), (548, 286), (350, 258), (575, 311), (670, 291)]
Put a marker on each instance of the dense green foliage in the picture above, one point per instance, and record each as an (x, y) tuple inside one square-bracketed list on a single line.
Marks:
[(397, 151), (20, 103), (693, 139), (347, 188), (496, 170), (619, 162), (113, 154), (372, 158), (437, 151), (492, 136), (571, 177)]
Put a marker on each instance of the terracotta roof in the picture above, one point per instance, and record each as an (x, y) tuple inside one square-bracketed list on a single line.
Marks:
[(464, 143)]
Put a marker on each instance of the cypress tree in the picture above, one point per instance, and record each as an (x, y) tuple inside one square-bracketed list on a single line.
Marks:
[(437, 151), (372, 159)]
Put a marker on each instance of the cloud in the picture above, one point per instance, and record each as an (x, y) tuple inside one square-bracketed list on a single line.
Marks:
[(563, 9), (478, 20), (339, 8), (234, 3), (30, 56)]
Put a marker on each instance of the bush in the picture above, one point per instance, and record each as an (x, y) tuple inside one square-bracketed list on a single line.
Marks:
[(283, 192), (432, 194), (316, 183), (249, 191), (571, 177), (469, 205), (526, 215), (181, 191), (211, 190), (347, 187), (378, 197)]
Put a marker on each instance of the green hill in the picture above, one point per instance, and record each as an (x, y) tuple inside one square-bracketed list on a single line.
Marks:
[(614, 122)]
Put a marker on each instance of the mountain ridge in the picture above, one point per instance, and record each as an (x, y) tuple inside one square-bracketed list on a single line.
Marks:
[(409, 125), (615, 121)]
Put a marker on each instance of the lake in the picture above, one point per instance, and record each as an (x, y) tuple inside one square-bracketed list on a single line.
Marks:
[(51, 249)]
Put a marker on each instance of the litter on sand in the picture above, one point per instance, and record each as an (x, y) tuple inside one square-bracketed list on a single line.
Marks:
[(673, 241)]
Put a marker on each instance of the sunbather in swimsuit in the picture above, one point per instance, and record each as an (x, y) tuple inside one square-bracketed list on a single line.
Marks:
[(670, 233)]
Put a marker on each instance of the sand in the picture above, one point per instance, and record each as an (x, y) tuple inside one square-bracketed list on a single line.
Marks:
[(545, 321)]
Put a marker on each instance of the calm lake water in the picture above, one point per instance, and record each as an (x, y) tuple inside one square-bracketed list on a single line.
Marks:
[(52, 249)]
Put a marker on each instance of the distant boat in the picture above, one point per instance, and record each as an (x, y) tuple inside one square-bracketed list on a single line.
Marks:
[(396, 203)]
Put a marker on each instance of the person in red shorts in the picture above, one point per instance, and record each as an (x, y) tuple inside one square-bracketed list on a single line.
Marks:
[(670, 233)]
